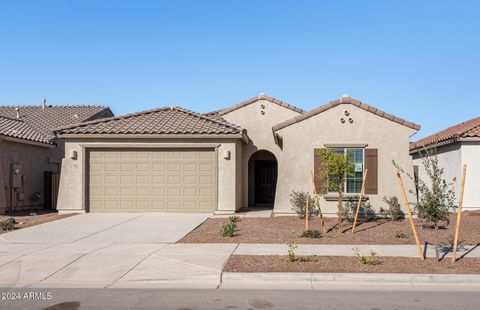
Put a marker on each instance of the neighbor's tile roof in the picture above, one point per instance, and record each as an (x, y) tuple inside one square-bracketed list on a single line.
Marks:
[(36, 124), (255, 99), (19, 129), (166, 120), (345, 100), (468, 129)]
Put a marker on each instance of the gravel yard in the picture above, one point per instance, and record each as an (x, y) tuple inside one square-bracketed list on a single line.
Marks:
[(344, 264), (279, 230), (24, 219)]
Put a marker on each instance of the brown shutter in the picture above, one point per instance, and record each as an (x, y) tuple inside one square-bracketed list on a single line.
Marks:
[(318, 167), (371, 163)]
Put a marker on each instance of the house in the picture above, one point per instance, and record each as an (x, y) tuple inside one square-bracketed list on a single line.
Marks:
[(454, 147), (252, 154), (29, 152)]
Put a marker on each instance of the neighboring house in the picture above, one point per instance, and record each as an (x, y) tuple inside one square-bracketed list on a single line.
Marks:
[(28, 149), (250, 155), (455, 146)]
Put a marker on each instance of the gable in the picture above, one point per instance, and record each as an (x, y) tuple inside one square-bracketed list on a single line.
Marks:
[(345, 124), (345, 100)]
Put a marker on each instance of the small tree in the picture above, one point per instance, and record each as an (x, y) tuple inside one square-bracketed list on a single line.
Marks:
[(436, 196), (337, 168)]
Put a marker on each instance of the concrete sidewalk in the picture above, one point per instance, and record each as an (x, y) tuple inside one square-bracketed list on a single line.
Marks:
[(399, 250)]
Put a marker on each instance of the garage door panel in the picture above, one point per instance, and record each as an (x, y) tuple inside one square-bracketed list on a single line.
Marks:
[(177, 180)]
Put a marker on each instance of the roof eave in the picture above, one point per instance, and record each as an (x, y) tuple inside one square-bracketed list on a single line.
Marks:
[(29, 142), (241, 135)]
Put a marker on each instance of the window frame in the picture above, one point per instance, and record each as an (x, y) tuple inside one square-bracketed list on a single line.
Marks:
[(363, 166)]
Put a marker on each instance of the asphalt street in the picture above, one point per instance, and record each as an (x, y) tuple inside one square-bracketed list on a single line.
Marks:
[(371, 299)]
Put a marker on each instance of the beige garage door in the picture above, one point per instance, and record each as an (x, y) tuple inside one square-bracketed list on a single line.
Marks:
[(144, 180)]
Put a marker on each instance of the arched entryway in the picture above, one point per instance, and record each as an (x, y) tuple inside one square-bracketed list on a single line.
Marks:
[(262, 179)]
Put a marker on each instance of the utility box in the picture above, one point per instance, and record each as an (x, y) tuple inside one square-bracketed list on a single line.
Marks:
[(16, 176)]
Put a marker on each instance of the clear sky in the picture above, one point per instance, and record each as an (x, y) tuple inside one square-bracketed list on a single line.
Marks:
[(418, 60)]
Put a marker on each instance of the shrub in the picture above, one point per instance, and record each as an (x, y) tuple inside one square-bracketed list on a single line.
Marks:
[(366, 212), (233, 219), (292, 246), (298, 201), (228, 230), (311, 234), (366, 260), (306, 259), (436, 196), (8, 224), (400, 235), (394, 211)]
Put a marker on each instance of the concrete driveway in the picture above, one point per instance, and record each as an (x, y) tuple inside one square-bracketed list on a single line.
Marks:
[(111, 250)]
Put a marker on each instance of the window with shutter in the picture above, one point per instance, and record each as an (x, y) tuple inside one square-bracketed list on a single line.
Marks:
[(371, 163)]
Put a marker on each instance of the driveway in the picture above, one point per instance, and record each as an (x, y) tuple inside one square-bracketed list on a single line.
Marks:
[(111, 250)]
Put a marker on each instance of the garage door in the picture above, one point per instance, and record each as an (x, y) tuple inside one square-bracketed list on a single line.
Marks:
[(144, 180)]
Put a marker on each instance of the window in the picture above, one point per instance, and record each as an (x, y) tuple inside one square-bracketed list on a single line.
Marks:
[(353, 183)]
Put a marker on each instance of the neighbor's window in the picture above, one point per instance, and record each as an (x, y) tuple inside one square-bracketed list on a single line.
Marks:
[(353, 183)]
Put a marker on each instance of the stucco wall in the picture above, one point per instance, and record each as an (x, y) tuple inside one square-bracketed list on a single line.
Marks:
[(300, 139), (451, 158), (34, 161), (471, 157), (72, 197), (259, 130)]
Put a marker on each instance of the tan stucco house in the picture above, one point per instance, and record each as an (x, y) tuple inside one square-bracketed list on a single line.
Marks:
[(30, 155), (252, 154), (454, 147)]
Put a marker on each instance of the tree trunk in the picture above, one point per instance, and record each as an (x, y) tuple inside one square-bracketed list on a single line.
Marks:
[(340, 208)]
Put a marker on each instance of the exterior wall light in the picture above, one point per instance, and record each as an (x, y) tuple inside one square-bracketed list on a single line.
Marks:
[(73, 154)]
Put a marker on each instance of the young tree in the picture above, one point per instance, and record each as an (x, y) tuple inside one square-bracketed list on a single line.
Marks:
[(436, 196), (337, 168)]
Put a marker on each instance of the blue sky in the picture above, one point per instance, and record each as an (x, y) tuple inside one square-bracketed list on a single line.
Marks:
[(415, 59)]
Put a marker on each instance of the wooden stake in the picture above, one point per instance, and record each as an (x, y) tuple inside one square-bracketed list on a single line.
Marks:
[(317, 201), (404, 194), (306, 211), (459, 215), (359, 201)]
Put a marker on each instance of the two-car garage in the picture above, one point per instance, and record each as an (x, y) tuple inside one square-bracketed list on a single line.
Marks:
[(162, 160), (148, 180)]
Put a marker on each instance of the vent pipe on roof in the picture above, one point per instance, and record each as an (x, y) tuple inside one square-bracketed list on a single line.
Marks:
[(18, 112), (44, 103)]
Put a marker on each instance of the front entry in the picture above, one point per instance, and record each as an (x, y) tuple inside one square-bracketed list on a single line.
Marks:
[(265, 181), (262, 179)]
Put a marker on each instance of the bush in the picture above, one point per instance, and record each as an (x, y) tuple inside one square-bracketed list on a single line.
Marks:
[(306, 259), (311, 234), (298, 201), (366, 212), (292, 246), (8, 224), (400, 235), (233, 219), (228, 230), (366, 260), (436, 196), (394, 211)]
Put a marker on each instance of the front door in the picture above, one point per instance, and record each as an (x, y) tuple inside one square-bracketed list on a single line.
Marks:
[(265, 181)]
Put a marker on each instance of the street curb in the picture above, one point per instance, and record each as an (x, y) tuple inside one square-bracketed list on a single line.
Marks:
[(272, 278)]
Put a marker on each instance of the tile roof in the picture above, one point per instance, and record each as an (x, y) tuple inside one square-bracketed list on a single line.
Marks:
[(166, 120), (255, 99), (36, 124), (19, 129), (468, 129), (345, 100)]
